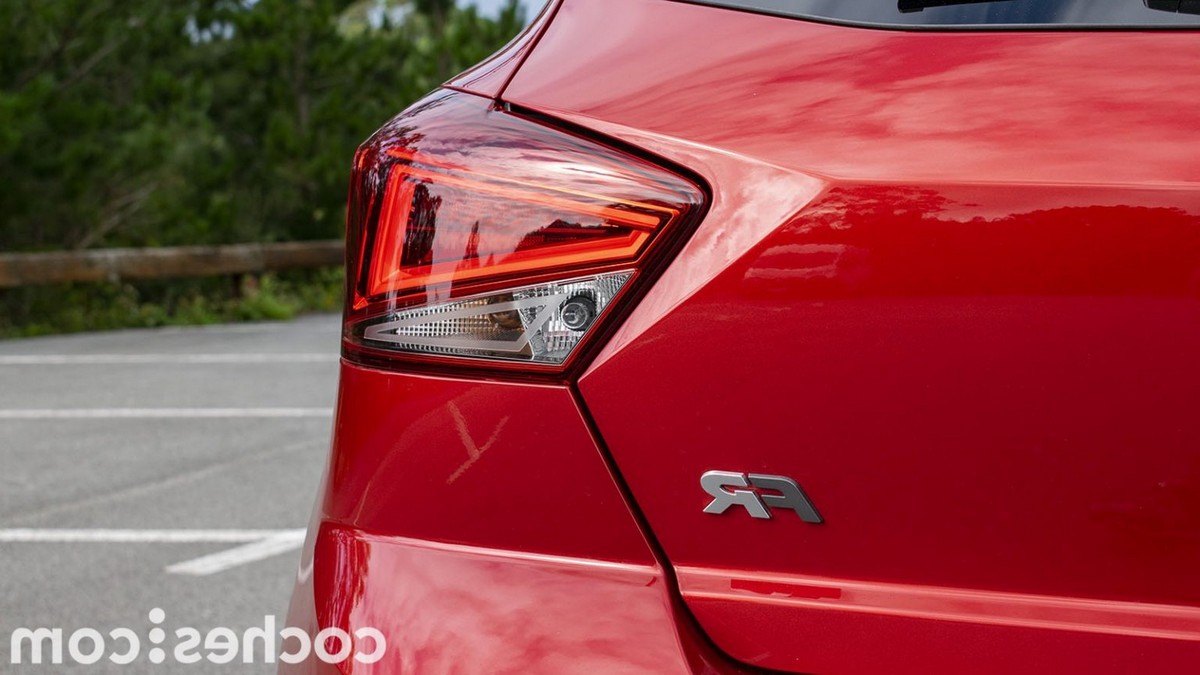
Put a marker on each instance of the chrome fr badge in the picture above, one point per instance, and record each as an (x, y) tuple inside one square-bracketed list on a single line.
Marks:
[(758, 493)]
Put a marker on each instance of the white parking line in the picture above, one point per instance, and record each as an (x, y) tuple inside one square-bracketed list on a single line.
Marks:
[(156, 413), (257, 544), (268, 328), (140, 359), (102, 536), (252, 552)]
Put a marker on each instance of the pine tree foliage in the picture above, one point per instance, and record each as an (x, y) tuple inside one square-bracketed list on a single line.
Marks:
[(142, 122)]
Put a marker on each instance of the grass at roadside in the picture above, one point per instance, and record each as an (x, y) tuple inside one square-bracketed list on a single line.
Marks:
[(69, 308)]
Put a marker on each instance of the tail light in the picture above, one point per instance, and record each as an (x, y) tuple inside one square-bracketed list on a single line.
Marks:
[(481, 238)]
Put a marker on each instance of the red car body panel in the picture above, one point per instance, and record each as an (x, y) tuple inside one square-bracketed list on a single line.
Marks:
[(949, 282), (972, 341), (473, 460), (441, 526), (449, 608), (490, 76), (877, 105)]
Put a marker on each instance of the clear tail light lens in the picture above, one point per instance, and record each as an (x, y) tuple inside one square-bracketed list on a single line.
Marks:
[(540, 324), (481, 238)]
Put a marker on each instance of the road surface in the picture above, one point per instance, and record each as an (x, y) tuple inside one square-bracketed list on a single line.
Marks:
[(170, 468)]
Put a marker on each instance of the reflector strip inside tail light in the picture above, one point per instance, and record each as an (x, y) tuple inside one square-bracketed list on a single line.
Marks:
[(541, 324), (478, 237)]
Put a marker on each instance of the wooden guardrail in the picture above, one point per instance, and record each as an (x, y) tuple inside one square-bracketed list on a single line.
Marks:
[(113, 264)]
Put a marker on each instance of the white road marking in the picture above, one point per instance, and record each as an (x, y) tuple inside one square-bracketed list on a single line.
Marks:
[(156, 413), (276, 328), (168, 359), (256, 544), (102, 536), (248, 553)]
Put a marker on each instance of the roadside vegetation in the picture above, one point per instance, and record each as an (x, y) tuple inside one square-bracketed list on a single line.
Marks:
[(66, 308), (149, 123)]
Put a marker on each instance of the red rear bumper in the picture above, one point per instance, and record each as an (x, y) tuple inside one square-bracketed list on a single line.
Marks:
[(446, 523)]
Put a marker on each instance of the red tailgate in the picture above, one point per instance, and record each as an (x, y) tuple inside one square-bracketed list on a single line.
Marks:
[(949, 283)]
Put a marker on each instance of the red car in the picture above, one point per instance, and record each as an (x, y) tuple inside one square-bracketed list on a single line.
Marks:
[(796, 335)]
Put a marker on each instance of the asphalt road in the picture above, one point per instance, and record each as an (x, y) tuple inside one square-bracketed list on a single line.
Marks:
[(129, 459)]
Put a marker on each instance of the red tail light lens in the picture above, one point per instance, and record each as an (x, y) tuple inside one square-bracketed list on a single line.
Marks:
[(514, 228), (480, 237)]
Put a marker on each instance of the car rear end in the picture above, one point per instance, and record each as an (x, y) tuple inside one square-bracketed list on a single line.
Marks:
[(801, 336)]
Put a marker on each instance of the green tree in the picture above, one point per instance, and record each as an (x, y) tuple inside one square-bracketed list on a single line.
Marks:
[(138, 122), (98, 118)]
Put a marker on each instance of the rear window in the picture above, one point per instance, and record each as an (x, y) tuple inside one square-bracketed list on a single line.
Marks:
[(984, 14)]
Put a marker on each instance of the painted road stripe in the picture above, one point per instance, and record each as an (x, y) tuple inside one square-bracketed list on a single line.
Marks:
[(101, 536), (276, 328), (156, 413), (252, 552), (256, 544), (164, 359)]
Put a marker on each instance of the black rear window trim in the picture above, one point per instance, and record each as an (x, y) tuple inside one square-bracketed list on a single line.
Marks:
[(750, 6)]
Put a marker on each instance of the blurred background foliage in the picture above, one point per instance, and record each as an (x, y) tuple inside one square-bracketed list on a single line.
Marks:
[(149, 123)]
